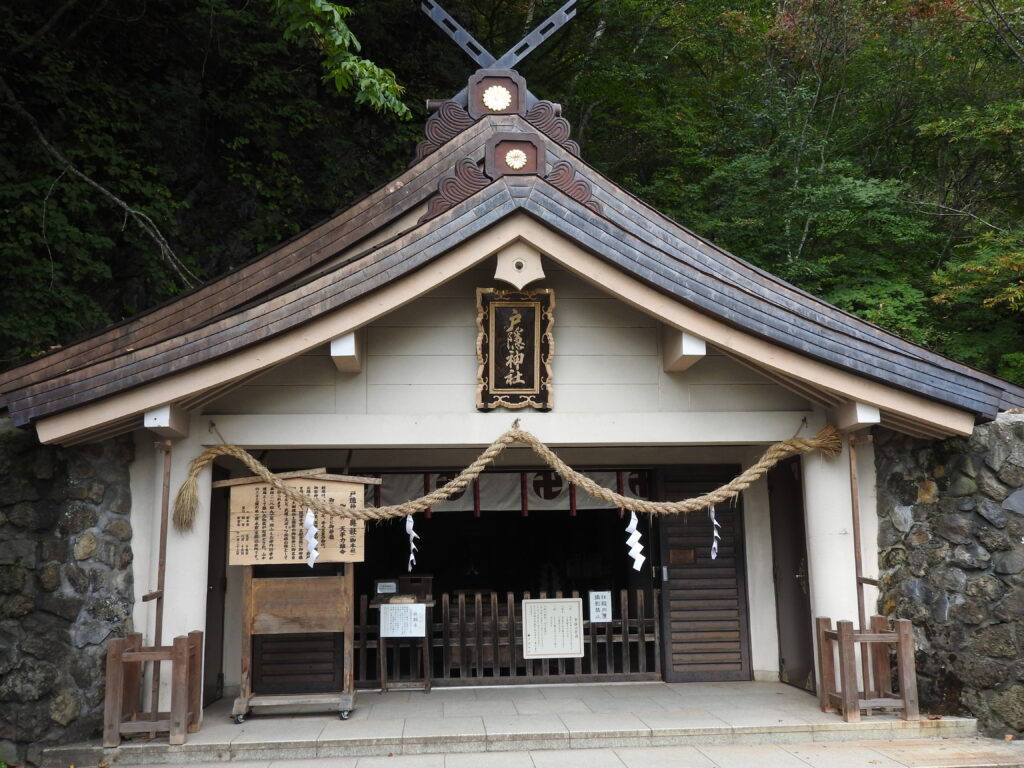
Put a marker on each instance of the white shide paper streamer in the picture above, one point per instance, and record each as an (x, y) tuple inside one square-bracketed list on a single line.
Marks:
[(716, 536), (412, 541), (310, 538), (635, 547)]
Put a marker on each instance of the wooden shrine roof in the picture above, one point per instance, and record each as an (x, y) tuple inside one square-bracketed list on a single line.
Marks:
[(394, 232)]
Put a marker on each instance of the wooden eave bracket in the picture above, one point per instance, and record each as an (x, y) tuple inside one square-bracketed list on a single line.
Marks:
[(680, 350), (347, 353), (852, 415), (168, 421)]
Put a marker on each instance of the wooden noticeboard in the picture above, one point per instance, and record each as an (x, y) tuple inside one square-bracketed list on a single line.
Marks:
[(265, 528)]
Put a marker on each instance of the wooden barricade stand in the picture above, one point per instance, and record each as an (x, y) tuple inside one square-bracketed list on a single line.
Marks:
[(266, 528), (121, 713), (849, 700)]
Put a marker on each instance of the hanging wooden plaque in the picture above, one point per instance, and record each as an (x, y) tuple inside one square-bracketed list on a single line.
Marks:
[(265, 528), (514, 348)]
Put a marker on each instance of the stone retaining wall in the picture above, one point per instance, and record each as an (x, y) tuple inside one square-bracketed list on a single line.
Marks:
[(65, 586), (951, 551)]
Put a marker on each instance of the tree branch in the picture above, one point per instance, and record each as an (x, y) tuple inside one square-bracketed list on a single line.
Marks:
[(28, 43), (950, 211), (144, 221)]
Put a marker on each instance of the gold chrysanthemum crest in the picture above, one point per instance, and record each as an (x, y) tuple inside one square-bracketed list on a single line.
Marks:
[(497, 98), (515, 159)]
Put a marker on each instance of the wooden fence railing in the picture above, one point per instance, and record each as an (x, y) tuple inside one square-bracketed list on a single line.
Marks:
[(476, 639)]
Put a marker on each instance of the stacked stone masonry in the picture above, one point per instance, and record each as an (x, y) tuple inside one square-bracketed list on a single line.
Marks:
[(65, 586), (951, 553)]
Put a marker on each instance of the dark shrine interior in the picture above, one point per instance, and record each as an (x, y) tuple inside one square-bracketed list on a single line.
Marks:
[(504, 551)]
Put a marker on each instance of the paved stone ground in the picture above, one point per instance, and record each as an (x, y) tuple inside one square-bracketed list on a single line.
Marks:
[(909, 753), (755, 725)]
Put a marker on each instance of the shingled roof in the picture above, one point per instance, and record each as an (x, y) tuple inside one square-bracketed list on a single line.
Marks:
[(457, 188)]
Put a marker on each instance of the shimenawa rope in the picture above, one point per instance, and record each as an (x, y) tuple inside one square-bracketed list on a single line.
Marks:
[(827, 441)]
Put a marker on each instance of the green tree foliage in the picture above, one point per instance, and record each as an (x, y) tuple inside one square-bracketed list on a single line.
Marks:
[(210, 119), (869, 151), (323, 23)]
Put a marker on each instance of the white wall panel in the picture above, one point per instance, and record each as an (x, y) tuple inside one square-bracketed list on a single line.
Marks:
[(595, 340), (421, 359), (277, 399), (600, 398), (421, 398), (421, 340), (420, 370)]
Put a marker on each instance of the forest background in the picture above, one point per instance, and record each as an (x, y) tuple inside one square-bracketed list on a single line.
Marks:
[(869, 151)]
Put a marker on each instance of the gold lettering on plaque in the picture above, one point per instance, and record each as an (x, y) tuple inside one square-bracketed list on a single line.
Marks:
[(515, 347)]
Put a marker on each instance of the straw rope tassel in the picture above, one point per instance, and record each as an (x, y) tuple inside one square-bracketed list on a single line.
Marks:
[(828, 441)]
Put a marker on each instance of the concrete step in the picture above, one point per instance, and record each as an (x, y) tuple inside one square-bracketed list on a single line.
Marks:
[(262, 740)]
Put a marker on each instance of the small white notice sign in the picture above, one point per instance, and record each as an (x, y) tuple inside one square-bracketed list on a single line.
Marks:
[(600, 607), (403, 620), (553, 629)]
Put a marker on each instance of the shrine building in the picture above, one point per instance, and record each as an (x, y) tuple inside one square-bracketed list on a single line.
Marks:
[(501, 277)]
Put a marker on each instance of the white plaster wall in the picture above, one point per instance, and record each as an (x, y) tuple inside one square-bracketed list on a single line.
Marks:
[(421, 359), (144, 486), (830, 552), (185, 575), (757, 530), (868, 523)]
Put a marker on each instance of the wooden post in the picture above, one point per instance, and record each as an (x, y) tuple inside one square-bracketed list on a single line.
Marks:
[(179, 691), (495, 637), (826, 664), (624, 624), (446, 636), (880, 659), (905, 669), (158, 628), (113, 701), (513, 635), (241, 707), (195, 681), (641, 628), (348, 652), (848, 691)]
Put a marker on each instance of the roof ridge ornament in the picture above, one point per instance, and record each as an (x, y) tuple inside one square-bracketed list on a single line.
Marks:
[(496, 88), (481, 55)]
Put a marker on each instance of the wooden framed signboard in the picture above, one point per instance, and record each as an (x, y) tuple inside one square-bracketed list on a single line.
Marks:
[(553, 629), (514, 347), (265, 528)]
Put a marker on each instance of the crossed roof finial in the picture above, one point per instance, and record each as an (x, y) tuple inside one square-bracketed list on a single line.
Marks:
[(481, 55)]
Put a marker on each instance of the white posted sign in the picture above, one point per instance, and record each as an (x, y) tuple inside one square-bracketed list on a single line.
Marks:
[(553, 629), (403, 620), (600, 606)]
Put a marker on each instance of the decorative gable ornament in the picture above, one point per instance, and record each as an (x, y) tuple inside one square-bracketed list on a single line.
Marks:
[(519, 265)]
